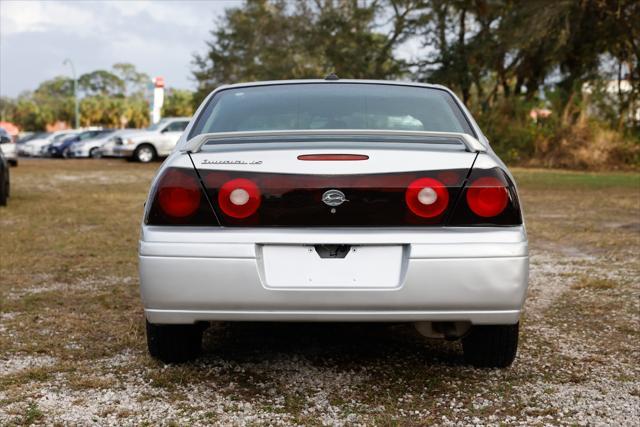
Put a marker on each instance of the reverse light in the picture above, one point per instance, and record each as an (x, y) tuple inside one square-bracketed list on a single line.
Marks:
[(487, 197), (427, 197), (239, 198)]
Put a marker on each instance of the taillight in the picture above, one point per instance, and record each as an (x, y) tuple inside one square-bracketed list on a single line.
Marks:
[(178, 199), (239, 198), (178, 194), (427, 197), (487, 196), (261, 199)]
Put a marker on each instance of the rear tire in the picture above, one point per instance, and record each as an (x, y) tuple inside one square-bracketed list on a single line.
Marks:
[(145, 153), (174, 343), (94, 153), (491, 346), (13, 163), (4, 191)]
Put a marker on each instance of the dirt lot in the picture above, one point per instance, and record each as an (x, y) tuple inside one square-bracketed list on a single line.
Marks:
[(72, 348)]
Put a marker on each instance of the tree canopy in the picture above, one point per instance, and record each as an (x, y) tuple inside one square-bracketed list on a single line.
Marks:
[(503, 57)]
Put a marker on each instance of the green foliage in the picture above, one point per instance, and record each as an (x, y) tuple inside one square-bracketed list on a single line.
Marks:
[(267, 40), (504, 58), (178, 103), (135, 82), (111, 99), (101, 82)]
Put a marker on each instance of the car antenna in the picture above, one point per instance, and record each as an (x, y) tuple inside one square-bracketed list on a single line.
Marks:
[(332, 76)]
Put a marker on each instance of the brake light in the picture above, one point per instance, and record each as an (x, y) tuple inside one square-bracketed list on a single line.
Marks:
[(178, 194), (487, 197), (178, 199), (427, 197), (334, 157), (239, 198)]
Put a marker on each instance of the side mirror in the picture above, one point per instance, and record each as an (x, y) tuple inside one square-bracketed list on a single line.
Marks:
[(4, 139), (165, 130)]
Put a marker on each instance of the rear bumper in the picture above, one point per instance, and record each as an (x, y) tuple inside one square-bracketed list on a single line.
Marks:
[(455, 274)]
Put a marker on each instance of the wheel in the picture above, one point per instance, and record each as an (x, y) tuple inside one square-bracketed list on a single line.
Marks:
[(94, 153), (174, 343), (144, 153), (13, 163), (4, 191), (65, 153), (491, 346)]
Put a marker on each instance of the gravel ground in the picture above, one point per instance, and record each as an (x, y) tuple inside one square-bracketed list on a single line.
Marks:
[(72, 352)]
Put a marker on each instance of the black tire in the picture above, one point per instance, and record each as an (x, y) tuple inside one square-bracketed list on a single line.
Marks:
[(145, 153), (174, 343), (4, 191), (65, 153), (13, 163), (491, 346), (94, 153)]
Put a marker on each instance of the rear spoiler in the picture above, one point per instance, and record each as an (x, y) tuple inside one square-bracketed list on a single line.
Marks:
[(196, 143)]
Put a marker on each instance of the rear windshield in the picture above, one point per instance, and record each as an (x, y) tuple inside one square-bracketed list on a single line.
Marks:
[(331, 106)]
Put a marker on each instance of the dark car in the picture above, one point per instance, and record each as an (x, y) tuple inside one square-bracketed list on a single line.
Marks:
[(4, 179), (61, 148)]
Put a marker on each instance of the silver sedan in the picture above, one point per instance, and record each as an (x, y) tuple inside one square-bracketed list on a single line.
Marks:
[(334, 200)]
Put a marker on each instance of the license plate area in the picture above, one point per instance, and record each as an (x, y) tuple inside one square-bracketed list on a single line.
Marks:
[(333, 266)]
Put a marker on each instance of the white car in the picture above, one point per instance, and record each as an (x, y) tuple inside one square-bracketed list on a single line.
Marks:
[(8, 147), (90, 147), (334, 200), (39, 146), (148, 144)]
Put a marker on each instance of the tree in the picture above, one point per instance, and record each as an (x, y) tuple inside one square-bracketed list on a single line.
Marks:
[(135, 82), (178, 103), (101, 82), (266, 40)]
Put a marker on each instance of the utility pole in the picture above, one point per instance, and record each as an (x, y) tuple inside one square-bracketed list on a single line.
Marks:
[(75, 91)]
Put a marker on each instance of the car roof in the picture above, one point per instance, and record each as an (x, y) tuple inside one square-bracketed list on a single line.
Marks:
[(356, 81)]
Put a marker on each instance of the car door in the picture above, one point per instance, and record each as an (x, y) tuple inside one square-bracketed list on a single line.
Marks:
[(170, 135)]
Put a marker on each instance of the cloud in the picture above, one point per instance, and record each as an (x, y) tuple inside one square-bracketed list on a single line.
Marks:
[(158, 37)]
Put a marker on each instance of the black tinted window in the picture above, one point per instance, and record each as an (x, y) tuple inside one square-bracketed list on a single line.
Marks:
[(331, 106)]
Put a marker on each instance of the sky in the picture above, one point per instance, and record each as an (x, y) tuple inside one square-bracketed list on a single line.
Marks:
[(158, 37)]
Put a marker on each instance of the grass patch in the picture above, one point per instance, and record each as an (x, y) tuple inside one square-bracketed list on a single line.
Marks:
[(545, 178), (32, 414), (595, 284)]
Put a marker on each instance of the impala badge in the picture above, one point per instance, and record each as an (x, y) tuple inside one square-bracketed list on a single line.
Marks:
[(334, 198)]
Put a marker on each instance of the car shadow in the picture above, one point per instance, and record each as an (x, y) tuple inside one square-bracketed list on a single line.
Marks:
[(340, 343)]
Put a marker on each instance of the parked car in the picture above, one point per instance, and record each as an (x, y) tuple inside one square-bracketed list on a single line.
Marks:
[(4, 178), (28, 136), (155, 141), (334, 200), (21, 143), (91, 147), (40, 146), (62, 147), (8, 147)]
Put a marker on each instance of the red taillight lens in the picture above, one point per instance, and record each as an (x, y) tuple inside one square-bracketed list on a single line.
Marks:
[(239, 198), (487, 197), (179, 194), (427, 197)]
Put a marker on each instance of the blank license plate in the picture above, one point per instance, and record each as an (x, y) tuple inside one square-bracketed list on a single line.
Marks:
[(297, 266)]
